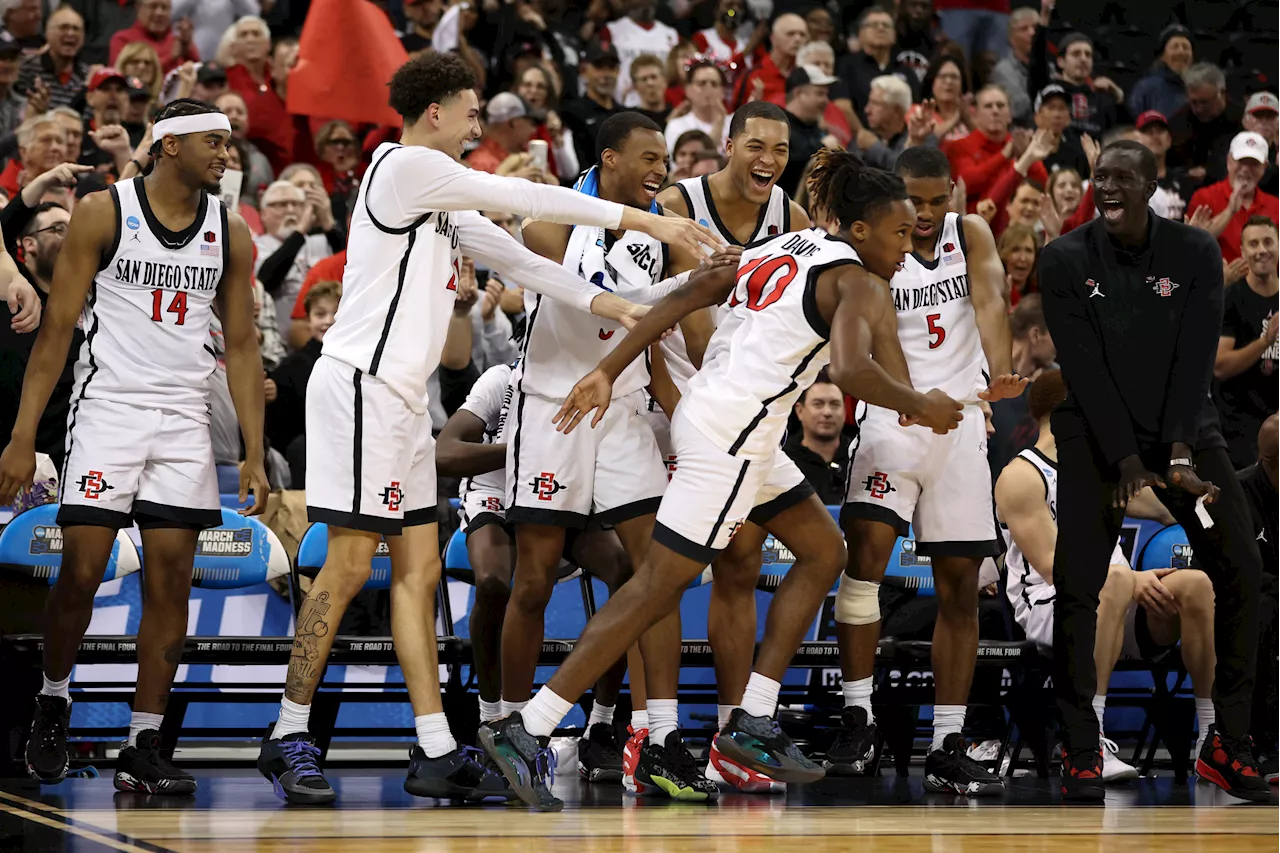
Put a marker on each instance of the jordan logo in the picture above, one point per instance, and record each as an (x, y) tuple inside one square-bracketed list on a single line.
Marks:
[(392, 496), (1262, 536), (1095, 289), (878, 485), (92, 485), (1165, 287), (134, 238), (545, 486)]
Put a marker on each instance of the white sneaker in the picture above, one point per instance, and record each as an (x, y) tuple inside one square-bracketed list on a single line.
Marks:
[(984, 751), (1113, 769), (1204, 733)]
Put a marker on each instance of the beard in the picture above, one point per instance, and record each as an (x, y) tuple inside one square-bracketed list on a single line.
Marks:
[(44, 266)]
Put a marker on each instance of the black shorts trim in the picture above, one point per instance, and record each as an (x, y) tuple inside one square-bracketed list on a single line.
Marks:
[(626, 512), (75, 515), (153, 515), (517, 515), (766, 512), (483, 520), (870, 512), (355, 521), (419, 517), (667, 537), (977, 548)]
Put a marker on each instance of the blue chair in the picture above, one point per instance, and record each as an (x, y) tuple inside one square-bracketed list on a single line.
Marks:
[(314, 547), (1164, 550), (31, 544), (240, 552)]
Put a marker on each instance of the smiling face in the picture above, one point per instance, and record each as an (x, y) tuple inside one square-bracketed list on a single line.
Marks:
[(201, 157), (1119, 191), (1024, 207), (1258, 246), (931, 198), (1178, 53), (65, 34), (640, 166), (757, 157), (457, 120), (884, 242), (1067, 191), (320, 317), (1020, 258)]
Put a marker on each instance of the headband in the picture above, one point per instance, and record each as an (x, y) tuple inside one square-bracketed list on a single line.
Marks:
[(182, 125)]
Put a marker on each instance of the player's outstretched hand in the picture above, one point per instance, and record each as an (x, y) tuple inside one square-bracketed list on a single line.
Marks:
[(1186, 478), (17, 470), (685, 233), (1004, 388), (253, 478), (593, 391), (940, 413), (1134, 477), (24, 305)]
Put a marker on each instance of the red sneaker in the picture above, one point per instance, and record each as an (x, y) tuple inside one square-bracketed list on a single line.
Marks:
[(1082, 774), (631, 759), (1230, 764), (726, 771)]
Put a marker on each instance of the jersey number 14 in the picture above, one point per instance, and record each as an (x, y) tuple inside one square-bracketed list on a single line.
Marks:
[(178, 306)]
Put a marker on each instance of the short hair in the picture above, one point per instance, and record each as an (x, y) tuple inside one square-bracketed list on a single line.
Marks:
[(645, 59), (294, 168), (615, 130), (278, 187), (709, 154), (27, 129), (43, 207), (1146, 160), (1047, 393), (874, 10), (429, 78), (322, 290), (1028, 182), (755, 109), (1257, 221), (1017, 16), (992, 87), (1204, 74), (823, 377), (68, 112), (698, 64), (923, 161), (695, 135), (803, 57), (849, 189), (895, 89), (175, 109), (1028, 314)]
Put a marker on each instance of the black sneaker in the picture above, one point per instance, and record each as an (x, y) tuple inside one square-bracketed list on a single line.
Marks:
[(853, 752), (47, 758), (143, 769), (672, 769), (950, 770), (1230, 764), (453, 776), (759, 744), (291, 765), (1082, 774), (599, 758), (527, 765)]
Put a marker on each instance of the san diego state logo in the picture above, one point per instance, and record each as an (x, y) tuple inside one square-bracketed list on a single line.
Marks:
[(392, 496), (545, 485), (878, 485), (92, 485), (1165, 287)]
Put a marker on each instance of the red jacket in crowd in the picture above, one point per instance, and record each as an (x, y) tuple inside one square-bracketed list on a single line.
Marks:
[(980, 161)]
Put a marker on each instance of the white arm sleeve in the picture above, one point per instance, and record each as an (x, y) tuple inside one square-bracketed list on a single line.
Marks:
[(428, 180), (652, 294), (488, 244), (566, 155)]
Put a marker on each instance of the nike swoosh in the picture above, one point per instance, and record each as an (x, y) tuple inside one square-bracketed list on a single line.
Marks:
[(604, 336)]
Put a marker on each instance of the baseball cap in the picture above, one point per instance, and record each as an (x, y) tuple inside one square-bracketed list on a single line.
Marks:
[(105, 75), (1053, 90), (600, 54), (10, 50), (210, 73), (1151, 117), (137, 91), (506, 106), (1249, 145), (1171, 31), (808, 75), (1261, 102)]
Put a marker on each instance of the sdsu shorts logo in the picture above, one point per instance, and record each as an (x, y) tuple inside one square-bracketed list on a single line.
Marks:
[(92, 485), (878, 485), (492, 504), (545, 485), (391, 496)]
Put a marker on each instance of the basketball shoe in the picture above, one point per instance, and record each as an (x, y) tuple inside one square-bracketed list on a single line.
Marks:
[(1082, 774), (672, 769), (854, 751), (46, 752), (1229, 763), (292, 765), (950, 770), (759, 744), (144, 769), (631, 759), (527, 762), (598, 757), (731, 774)]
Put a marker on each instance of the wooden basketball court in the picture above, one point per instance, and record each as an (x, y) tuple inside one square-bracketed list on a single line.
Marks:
[(234, 811)]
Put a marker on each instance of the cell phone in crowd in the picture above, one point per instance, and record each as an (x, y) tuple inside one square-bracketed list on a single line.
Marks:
[(538, 153)]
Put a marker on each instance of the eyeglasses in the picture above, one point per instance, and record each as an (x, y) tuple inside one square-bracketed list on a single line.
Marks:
[(58, 229)]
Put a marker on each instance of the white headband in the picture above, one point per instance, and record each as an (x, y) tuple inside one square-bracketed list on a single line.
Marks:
[(182, 125)]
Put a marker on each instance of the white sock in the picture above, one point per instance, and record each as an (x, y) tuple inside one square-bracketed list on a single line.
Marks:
[(509, 708), (490, 711), (857, 694), (140, 721), (600, 714), (760, 699), (1100, 710), (544, 712), (722, 715), (57, 688), (639, 720), (433, 734), (1205, 714), (947, 719), (664, 718), (294, 718)]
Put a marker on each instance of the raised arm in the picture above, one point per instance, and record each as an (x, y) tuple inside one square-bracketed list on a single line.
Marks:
[(1020, 501)]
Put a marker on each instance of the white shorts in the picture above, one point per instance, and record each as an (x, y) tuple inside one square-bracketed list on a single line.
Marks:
[(478, 507), (712, 493), (125, 463), (940, 483), (608, 474), (661, 425), (371, 460)]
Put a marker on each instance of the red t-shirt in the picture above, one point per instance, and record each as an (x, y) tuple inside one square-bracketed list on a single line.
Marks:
[(163, 47), (1217, 197), (488, 156), (775, 84), (980, 161), (328, 269)]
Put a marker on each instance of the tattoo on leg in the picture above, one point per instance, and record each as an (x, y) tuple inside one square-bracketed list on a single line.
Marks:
[(304, 660)]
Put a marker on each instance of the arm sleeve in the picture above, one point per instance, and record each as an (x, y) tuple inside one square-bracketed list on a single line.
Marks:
[(1197, 347), (436, 182), (566, 155), (1038, 70), (653, 294), (337, 239), (275, 269), (13, 218), (1080, 353), (454, 386), (489, 245), (493, 339)]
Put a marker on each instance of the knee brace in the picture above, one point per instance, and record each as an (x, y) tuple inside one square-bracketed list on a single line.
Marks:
[(857, 602)]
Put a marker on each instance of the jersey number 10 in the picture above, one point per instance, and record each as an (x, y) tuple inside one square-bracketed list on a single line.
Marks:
[(759, 273), (177, 306)]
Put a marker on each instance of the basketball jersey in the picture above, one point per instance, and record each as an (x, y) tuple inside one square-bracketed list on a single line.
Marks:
[(399, 285), (489, 400), (1021, 575), (630, 40), (147, 317), (936, 324), (562, 344), (770, 346)]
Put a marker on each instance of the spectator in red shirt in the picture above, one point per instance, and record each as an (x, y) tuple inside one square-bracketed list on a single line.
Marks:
[(152, 26), (1233, 201), (42, 144), (768, 80), (262, 78), (990, 153), (509, 125)]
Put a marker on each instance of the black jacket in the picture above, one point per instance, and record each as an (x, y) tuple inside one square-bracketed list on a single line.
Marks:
[(827, 478)]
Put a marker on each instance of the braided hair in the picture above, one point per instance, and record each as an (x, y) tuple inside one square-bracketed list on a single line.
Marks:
[(848, 190)]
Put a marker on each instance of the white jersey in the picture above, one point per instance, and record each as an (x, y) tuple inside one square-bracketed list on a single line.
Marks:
[(630, 40), (147, 317), (1021, 575), (936, 323), (489, 400), (769, 348)]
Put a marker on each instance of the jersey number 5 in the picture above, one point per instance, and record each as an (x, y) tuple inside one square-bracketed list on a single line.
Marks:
[(177, 306), (938, 333), (759, 273)]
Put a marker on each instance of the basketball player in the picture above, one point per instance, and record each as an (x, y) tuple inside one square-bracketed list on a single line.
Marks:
[(742, 204), (143, 265), (414, 218), (952, 324), (727, 432)]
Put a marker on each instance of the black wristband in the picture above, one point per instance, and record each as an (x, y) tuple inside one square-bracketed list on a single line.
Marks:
[(137, 164)]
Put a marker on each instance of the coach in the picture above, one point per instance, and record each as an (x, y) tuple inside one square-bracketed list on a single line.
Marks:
[(1134, 304)]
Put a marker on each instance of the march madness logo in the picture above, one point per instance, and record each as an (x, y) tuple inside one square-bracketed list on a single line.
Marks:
[(1181, 557), (92, 485), (910, 556), (46, 540), (1165, 287), (392, 496), (225, 543), (545, 485), (878, 485)]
